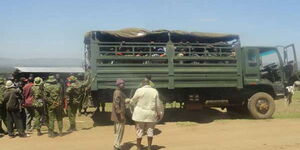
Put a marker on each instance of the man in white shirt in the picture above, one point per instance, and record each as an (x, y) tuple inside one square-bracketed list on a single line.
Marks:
[(148, 110)]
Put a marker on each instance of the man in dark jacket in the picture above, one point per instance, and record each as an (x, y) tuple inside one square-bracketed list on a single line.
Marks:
[(12, 99), (118, 113)]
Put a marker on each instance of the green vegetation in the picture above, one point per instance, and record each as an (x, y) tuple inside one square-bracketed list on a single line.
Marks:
[(187, 123), (296, 96), (283, 110)]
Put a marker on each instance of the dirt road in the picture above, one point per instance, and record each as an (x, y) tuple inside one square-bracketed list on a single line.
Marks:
[(207, 129), (275, 134)]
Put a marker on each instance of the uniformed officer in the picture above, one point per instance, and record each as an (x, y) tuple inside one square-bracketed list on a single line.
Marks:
[(38, 103), (87, 97), (75, 96), (2, 105), (53, 98)]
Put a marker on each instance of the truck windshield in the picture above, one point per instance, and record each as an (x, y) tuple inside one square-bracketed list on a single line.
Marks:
[(270, 65), (269, 57)]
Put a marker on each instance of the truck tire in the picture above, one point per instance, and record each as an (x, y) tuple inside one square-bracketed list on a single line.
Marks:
[(261, 105)]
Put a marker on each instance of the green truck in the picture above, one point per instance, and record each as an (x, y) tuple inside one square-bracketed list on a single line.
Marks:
[(194, 68)]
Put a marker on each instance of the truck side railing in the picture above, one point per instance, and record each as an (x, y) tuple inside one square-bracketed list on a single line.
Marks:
[(172, 65), (136, 52)]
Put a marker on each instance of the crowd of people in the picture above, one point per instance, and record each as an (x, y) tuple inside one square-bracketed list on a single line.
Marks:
[(29, 104), (222, 50), (36, 103)]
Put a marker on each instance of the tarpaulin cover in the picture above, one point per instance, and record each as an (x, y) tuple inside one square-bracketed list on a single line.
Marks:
[(143, 35)]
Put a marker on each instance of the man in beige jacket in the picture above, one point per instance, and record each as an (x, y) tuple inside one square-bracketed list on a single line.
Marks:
[(118, 113), (148, 110)]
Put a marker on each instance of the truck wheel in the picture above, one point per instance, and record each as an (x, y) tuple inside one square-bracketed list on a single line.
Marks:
[(261, 105)]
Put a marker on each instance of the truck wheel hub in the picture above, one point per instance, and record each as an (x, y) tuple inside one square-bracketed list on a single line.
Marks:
[(262, 106)]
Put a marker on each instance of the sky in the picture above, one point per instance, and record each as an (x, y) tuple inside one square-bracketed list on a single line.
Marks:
[(56, 28)]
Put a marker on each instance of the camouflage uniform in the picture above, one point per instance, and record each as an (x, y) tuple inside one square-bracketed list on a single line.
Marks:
[(74, 96), (53, 97), (87, 97), (2, 105), (38, 103)]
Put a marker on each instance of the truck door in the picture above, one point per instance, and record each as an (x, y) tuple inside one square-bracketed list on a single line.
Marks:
[(251, 65), (290, 63), (271, 68), (290, 68)]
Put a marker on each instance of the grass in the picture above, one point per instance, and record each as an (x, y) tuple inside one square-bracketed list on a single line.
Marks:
[(283, 110), (297, 95), (186, 123)]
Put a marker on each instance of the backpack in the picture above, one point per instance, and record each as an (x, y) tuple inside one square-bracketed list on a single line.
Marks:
[(29, 100), (37, 97)]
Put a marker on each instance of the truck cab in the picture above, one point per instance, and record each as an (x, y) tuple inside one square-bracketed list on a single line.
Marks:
[(271, 71), (265, 66)]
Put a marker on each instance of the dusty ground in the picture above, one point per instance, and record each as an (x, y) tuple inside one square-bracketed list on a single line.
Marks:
[(206, 130), (219, 135)]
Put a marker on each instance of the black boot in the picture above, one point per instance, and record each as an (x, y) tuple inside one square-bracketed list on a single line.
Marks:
[(51, 134), (60, 132), (115, 148), (11, 135), (2, 131), (72, 128), (23, 135), (139, 143), (150, 139), (39, 133)]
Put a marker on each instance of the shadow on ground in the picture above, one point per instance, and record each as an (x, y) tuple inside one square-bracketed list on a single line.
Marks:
[(200, 116), (131, 145), (128, 145), (205, 115)]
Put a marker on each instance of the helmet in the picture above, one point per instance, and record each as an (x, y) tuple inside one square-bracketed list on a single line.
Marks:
[(72, 79), (9, 84), (38, 81), (51, 79)]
